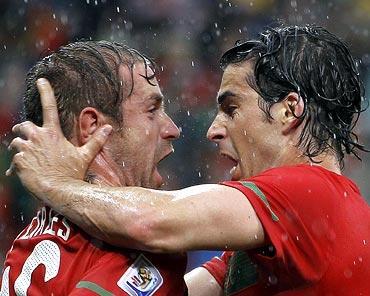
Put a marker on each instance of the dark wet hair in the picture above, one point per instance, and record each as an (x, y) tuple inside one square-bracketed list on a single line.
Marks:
[(84, 74), (318, 66)]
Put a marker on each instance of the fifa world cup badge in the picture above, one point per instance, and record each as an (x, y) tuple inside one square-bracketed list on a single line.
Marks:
[(141, 278)]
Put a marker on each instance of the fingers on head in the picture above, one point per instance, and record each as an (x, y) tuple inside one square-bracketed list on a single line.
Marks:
[(10, 171), (18, 158), (96, 143), (26, 129), (18, 144), (48, 102)]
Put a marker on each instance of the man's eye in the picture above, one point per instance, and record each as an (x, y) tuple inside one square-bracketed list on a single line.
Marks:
[(153, 109), (230, 110)]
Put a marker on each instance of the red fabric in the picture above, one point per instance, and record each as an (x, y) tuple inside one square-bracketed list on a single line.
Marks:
[(81, 259), (322, 238), (218, 267)]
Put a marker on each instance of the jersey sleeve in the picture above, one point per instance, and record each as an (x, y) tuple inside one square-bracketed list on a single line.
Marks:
[(218, 266), (286, 202)]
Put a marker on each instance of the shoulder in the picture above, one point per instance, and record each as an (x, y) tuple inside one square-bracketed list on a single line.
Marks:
[(296, 178)]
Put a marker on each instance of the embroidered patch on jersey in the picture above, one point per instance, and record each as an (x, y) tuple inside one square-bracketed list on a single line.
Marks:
[(241, 273), (141, 278), (260, 194)]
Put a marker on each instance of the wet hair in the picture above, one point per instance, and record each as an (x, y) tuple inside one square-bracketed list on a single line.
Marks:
[(316, 65), (84, 74)]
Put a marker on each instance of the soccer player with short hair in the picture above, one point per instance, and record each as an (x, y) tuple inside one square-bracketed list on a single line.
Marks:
[(97, 83)]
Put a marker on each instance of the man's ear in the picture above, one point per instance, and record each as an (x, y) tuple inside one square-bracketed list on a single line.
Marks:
[(292, 108), (89, 121)]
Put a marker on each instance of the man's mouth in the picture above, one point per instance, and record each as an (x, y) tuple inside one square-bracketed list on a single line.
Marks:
[(235, 171), (157, 175)]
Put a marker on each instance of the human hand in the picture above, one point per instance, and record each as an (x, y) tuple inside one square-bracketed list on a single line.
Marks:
[(44, 156)]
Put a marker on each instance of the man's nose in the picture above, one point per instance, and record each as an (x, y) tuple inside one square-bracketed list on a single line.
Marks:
[(216, 131), (170, 131)]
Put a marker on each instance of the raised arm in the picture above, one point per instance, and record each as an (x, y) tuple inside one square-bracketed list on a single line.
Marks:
[(199, 217)]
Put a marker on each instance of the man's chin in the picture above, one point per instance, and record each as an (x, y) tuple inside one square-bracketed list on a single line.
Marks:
[(236, 173)]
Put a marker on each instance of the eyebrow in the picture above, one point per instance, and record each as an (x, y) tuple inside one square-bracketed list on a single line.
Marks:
[(222, 97), (156, 97)]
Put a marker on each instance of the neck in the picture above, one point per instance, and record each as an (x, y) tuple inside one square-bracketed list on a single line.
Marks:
[(104, 173), (326, 160)]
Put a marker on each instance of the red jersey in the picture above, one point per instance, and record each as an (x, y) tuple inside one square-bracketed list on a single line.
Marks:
[(53, 257), (318, 226)]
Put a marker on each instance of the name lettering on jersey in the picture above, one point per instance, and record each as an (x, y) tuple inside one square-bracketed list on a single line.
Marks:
[(141, 278), (49, 222)]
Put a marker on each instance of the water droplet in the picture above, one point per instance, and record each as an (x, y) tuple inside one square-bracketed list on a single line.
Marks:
[(297, 238), (117, 9), (123, 163), (192, 63), (364, 241), (255, 236), (345, 194)]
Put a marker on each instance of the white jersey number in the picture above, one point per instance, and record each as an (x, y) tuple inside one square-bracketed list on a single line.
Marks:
[(46, 253)]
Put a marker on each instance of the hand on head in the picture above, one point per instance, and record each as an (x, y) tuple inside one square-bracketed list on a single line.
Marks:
[(44, 154)]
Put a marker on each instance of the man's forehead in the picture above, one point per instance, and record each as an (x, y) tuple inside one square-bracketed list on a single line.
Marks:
[(138, 69), (138, 80), (235, 80), (143, 68), (234, 77)]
